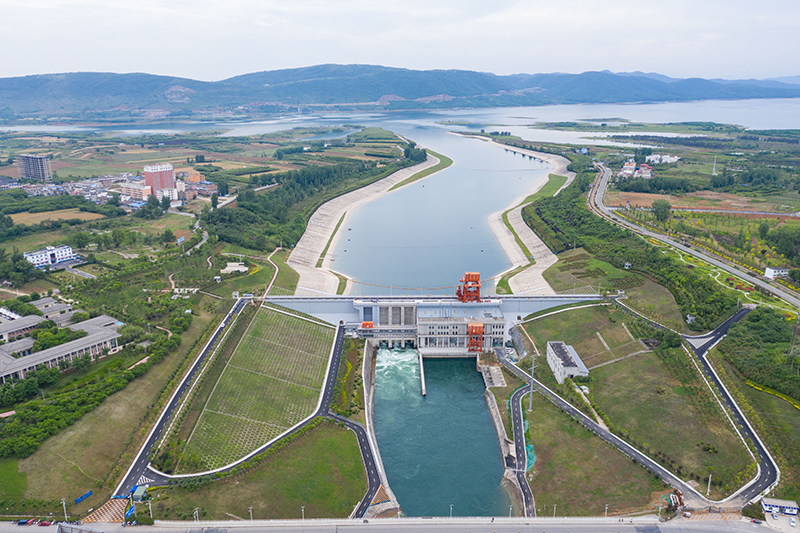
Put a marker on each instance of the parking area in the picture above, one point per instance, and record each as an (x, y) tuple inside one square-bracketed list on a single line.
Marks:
[(783, 523)]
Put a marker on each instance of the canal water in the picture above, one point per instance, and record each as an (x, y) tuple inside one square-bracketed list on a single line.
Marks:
[(439, 449)]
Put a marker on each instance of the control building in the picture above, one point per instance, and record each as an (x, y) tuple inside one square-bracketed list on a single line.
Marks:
[(159, 177), (34, 167), (443, 328), (564, 361)]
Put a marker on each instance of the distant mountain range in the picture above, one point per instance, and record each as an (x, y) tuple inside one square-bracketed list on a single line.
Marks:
[(109, 96)]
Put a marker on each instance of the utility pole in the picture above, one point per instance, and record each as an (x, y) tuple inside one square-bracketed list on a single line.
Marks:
[(510, 507), (606, 515), (196, 514), (709, 484), (303, 510), (451, 510), (149, 506), (64, 503), (533, 366), (554, 509), (251, 514)]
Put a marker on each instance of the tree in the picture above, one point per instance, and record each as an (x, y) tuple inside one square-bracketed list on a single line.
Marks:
[(200, 158), (763, 229), (114, 199), (214, 200), (80, 240), (165, 202), (223, 188), (662, 209), (795, 274), (167, 236), (118, 236)]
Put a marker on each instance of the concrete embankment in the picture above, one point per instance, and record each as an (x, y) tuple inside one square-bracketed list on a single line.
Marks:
[(392, 506), (322, 224), (531, 280)]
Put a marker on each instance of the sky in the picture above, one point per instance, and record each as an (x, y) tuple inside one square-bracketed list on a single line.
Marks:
[(216, 39)]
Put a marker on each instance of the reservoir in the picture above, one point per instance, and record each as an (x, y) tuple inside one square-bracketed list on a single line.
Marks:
[(440, 449)]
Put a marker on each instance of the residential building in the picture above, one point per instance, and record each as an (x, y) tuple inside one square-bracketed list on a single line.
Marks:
[(7, 183), (564, 361), (644, 171), (34, 167), (171, 193), (657, 159), (628, 169), (50, 255), (775, 272), (159, 177), (101, 335), (195, 177), (138, 190), (16, 328)]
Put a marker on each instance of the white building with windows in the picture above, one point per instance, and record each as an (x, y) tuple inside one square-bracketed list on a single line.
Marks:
[(775, 272), (50, 255), (564, 361)]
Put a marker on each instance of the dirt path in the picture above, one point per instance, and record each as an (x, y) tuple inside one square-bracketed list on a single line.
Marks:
[(208, 260), (169, 333), (172, 281)]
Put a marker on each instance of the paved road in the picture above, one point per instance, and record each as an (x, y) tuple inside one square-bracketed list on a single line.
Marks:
[(519, 445), (80, 273), (768, 469), (438, 525), (139, 473), (597, 194)]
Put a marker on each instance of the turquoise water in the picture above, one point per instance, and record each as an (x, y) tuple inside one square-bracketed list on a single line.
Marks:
[(440, 449)]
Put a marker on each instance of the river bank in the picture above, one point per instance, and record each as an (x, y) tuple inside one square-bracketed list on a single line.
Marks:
[(322, 224)]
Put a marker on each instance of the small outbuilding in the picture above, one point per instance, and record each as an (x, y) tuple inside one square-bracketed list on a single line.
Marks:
[(775, 272), (564, 361), (774, 505)]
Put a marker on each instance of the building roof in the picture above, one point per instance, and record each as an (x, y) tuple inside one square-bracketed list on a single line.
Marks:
[(57, 308), (25, 343), (460, 311), (567, 356), (20, 323), (41, 303), (779, 503), (99, 329)]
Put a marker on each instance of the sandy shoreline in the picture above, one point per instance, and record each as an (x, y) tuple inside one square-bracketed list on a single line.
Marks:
[(304, 257)]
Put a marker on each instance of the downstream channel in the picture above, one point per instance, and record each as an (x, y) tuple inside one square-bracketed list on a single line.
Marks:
[(440, 449)]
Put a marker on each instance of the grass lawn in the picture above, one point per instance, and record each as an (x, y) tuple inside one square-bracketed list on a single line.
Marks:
[(443, 163), (271, 382), (66, 214), (322, 471), (579, 472), (549, 189), (286, 282), (643, 397), (82, 457), (252, 282), (580, 327)]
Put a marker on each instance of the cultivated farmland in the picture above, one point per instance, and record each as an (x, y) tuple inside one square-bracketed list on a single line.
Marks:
[(272, 382)]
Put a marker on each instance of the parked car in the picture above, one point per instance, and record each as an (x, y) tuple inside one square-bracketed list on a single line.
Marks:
[(793, 522), (22, 523), (687, 515), (756, 521), (45, 523)]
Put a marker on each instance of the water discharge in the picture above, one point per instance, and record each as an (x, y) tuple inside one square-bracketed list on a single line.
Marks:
[(440, 449)]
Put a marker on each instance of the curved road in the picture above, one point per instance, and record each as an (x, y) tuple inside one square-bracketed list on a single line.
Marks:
[(141, 472), (519, 444), (597, 193)]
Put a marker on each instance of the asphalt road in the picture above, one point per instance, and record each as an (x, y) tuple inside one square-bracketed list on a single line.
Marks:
[(139, 473), (440, 525), (597, 199), (519, 445)]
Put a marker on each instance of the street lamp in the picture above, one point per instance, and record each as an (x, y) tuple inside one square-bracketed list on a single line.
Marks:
[(606, 515), (64, 503), (554, 509), (510, 507), (451, 510), (251, 513), (196, 514), (303, 510), (149, 506)]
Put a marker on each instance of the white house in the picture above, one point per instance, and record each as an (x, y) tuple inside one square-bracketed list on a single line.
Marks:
[(50, 255), (775, 272)]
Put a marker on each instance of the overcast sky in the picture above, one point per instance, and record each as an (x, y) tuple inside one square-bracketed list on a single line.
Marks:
[(216, 39)]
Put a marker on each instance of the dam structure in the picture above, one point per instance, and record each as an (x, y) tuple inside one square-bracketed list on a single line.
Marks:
[(462, 325)]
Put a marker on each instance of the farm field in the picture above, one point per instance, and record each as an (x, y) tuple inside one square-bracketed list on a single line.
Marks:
[(579, 472), (271, 382), (668, 412), (706, 200), (66, 214), (583, 329), (321, 471)]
